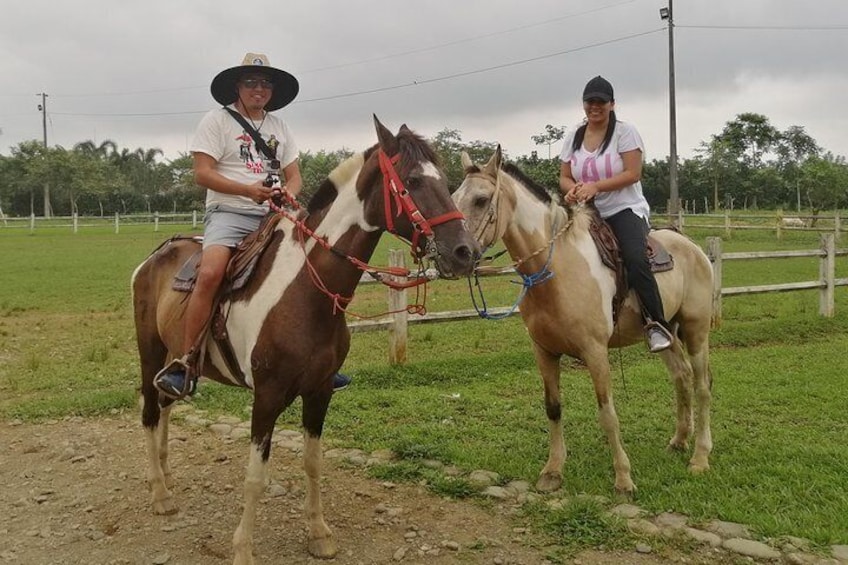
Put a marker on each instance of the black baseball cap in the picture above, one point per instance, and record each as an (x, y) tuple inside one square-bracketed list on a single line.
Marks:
[(599, 88)]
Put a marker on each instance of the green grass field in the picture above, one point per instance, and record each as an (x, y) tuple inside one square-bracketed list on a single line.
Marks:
[(470, 392)]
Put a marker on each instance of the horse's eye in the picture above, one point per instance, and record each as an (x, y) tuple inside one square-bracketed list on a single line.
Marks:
[(481, 201), (413, 182)]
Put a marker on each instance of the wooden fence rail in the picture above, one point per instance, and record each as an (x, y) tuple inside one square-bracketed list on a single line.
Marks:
[(726, 222), (398, 323)]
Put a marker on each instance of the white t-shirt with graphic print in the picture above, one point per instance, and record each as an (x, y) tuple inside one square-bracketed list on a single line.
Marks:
[(593, 166), (221, 137)]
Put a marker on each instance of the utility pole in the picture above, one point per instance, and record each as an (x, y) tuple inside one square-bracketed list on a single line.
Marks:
[(48, 209), (674, 195)]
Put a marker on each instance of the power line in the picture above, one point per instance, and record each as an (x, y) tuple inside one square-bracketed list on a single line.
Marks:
[(403, 85), (767, 28), (547, 21), (467, 39)]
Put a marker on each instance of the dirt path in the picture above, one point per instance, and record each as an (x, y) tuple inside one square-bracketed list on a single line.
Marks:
[(74, 491)]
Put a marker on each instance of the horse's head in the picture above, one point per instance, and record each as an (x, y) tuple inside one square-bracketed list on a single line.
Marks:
[(405, 192), (484, 199)]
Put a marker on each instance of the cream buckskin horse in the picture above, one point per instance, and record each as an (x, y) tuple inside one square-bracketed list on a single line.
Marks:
[(572, 313), (288, 333)]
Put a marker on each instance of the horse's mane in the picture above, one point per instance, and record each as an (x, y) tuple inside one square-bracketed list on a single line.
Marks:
[(412, 149), (535, 188)]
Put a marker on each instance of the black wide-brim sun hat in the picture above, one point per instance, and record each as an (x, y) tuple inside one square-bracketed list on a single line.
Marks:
[(225, 85)]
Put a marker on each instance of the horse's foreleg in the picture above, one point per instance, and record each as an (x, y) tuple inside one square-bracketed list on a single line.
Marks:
[(598, 364), (700, 359), (550, 478), (254, 485), (320, 542)]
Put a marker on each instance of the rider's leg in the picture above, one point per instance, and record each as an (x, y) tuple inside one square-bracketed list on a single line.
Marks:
[(631, 231), (210, 274)]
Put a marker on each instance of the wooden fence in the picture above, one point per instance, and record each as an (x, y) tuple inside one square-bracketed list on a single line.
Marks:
[(726, 222), (397, 324)]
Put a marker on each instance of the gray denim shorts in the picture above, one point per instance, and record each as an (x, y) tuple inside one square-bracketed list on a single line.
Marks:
[(227, 227)]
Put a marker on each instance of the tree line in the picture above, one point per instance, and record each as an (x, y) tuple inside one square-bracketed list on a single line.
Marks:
[(749, 164)]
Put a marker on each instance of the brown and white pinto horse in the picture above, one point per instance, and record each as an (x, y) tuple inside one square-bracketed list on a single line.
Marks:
[(288, 335), (571, 313)]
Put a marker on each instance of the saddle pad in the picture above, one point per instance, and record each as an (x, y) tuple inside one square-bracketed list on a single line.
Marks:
[(185, 277)]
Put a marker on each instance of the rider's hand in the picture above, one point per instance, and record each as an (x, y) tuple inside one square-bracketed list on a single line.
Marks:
[(572, 196), (258, 192)]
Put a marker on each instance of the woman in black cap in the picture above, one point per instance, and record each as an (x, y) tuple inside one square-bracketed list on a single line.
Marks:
[(238, 171), (602, 160)]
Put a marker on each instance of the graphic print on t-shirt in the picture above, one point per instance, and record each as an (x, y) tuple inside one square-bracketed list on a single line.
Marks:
[(246, 154), (590, 172)]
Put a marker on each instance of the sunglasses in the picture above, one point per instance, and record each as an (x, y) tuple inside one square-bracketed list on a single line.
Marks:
[(252, 83)]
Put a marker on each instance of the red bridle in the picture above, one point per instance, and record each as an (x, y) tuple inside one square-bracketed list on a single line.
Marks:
[(403, 203), (394, 190)]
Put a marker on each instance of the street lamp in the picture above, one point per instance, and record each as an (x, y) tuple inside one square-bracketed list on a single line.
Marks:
[(667, 14)]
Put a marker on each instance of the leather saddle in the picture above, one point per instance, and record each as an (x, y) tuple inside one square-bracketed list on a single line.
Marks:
[(239, 270), (658, 257)]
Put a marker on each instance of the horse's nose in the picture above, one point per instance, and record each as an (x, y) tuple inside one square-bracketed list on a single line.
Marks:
[(467, 254)]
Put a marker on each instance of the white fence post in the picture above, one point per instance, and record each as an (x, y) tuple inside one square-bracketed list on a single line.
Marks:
[(714, 253), (398, 330), (117, 223), (76, 222), (827, 272), (156, 221), (726, 223), (194, 219), (31, 223), (837, 226)]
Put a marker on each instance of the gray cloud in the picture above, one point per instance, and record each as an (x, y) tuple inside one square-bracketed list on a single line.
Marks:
[(139, 74)]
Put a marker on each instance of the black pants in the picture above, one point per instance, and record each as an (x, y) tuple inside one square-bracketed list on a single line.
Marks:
[(631, 231)]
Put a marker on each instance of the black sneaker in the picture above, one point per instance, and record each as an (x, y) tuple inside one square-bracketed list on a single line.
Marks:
[(172, 384), (340, 382)]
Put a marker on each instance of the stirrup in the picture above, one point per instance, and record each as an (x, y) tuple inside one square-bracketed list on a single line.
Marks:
[(188, 382), (659, 338)]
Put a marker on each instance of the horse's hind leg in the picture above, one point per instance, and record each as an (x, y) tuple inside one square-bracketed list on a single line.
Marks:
[(680, 373), (155, 421), (700, 357), (321, 541), (550, 479)]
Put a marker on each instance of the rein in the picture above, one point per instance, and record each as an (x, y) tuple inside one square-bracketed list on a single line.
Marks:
[(527, 281), (384, 275)]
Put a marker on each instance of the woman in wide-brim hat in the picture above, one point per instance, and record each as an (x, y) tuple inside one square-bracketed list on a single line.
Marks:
[(225, 89)]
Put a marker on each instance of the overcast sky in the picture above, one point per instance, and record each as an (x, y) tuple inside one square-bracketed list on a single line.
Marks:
[(138, 73)]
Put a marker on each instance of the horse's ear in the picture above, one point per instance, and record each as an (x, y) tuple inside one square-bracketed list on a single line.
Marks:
[(388, 142), (491, 168), (467, 163), (404, 129)]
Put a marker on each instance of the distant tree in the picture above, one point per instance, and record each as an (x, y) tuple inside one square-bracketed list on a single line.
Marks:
[(749, 138), (448, 145), (550, 136), (794, 147), (824, 181), (316, 167)]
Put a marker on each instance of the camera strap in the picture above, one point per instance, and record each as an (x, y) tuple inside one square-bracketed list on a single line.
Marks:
[(257, 139)]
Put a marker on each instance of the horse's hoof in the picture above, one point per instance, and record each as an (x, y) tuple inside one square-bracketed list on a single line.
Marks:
[(243, 558), (625, 488), (696, 468), (549, 482), (322, 548), (165, 507), (678, 445)]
